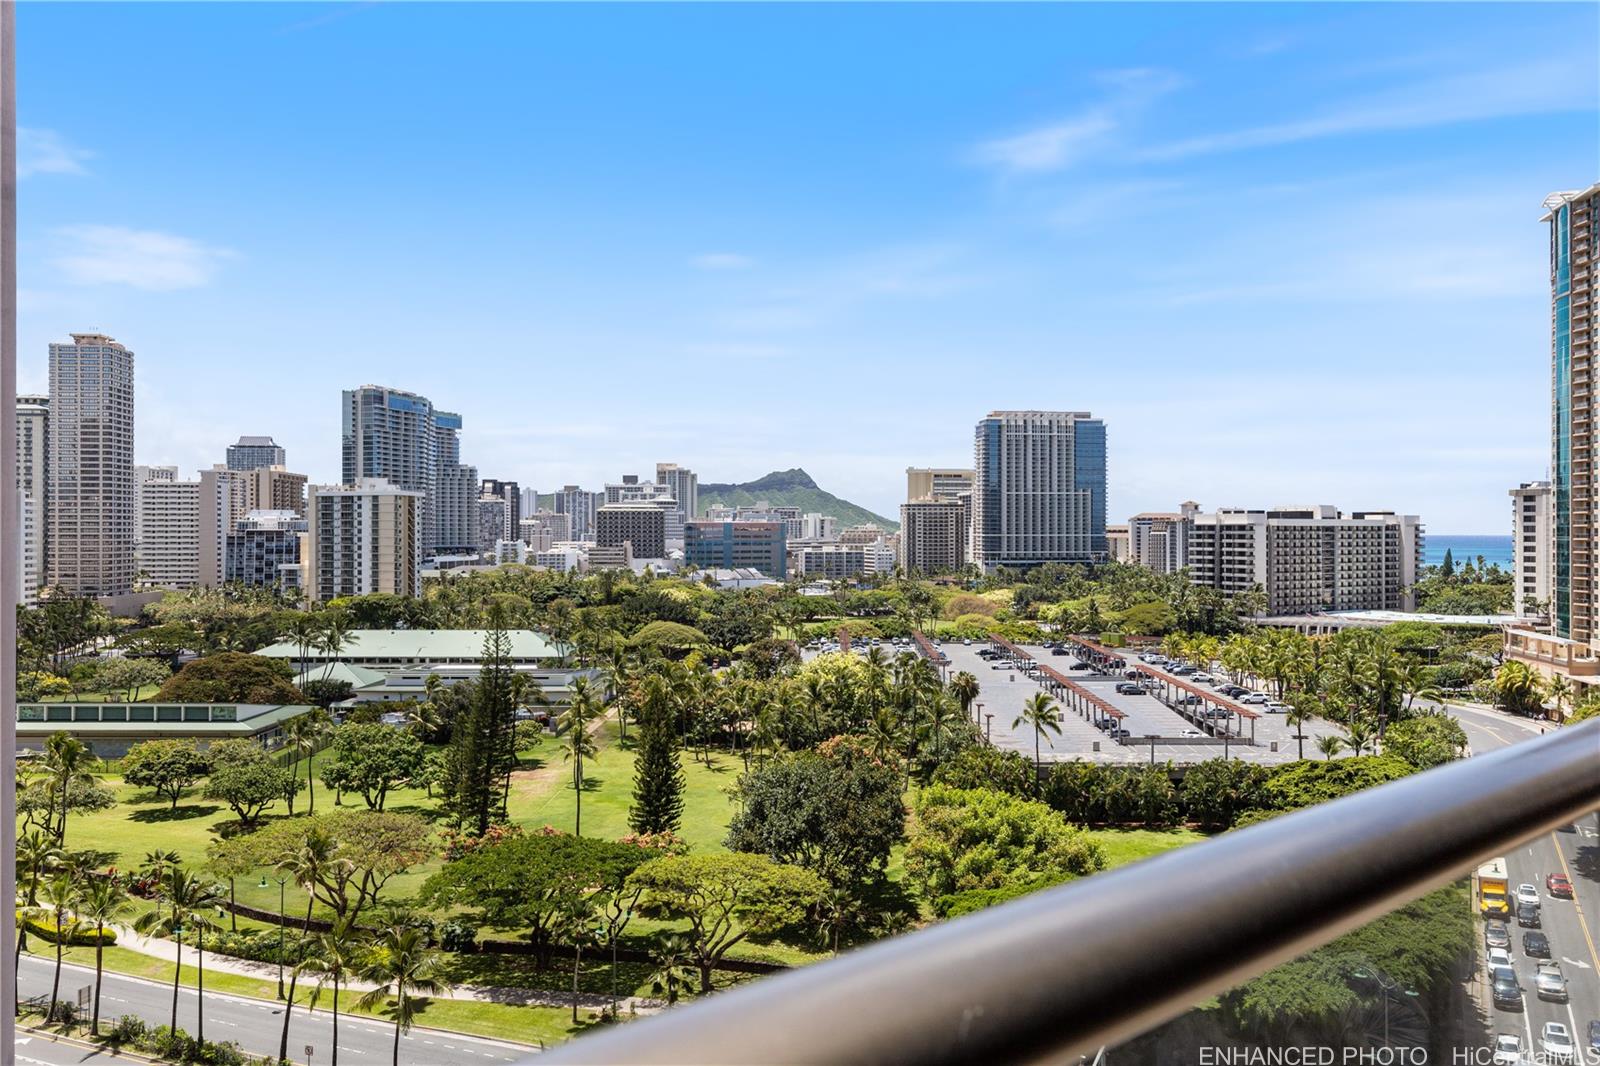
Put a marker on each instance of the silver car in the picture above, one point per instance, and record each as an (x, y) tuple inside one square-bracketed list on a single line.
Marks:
[(1550, 983)]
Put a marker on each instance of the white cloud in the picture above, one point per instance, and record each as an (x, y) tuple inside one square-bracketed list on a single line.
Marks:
[(143, 259), (1547, 86), (1063, 143), (47, 152), (722, 261)]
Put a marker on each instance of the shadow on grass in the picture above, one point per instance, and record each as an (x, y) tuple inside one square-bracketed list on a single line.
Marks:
[(179, 814)]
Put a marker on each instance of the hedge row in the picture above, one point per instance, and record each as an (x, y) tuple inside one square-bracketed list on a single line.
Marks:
[(43, 926)]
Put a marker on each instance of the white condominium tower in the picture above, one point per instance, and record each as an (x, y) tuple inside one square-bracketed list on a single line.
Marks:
[(33, 466), (363, 538), (90, 499), (1531, 556), (1039, 489), (684, 485)]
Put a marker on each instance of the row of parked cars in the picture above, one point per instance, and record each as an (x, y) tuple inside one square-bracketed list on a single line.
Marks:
[(1221, 685), (1557, 1043)]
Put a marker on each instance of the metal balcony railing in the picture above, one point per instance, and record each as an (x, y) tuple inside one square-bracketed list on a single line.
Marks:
[(1073, 969)]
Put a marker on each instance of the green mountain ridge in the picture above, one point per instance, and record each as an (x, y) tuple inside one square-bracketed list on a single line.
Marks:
[(791, 488)]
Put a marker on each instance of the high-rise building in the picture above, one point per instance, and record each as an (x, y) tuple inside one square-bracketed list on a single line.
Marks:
[(90, 498), (225, 498), (1119, 543), (511, 493), (544, 529), (400, 437), (817, 526), (683, 485), (731, 545), (1159, 540), (264, 550), (1039, 489), (581, 505), (253, 453), (272, 488), (493, 512), (141, 473), (33, 486), (1531, 554), (933, 536), (530, 501), (930, 482), (363, 538), (1309, 559), (640, 524), (169, 533)]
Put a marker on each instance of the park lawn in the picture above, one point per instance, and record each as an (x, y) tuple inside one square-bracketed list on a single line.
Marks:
[(528, 1025), (1123, 846), (145, 694)]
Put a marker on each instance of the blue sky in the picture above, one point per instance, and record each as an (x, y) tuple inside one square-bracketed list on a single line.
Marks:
[(1290, 253)]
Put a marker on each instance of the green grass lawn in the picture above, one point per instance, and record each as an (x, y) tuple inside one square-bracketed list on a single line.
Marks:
[(530, 1025), (1123, 846)]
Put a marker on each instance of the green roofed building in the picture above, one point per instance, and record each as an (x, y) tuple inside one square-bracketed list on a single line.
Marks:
[(110, 729), (389, 649)]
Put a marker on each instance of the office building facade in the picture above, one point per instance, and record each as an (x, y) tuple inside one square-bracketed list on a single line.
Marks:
[(641, 525), (1039, 489), (1309, 559), (363, 538), (90, 498), (933, 536), (759, 546), (253, 453)]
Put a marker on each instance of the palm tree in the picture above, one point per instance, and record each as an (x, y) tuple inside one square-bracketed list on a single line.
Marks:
[(1329, 745), (582, 708), (61, 896), (964, 687), (333, 639), (305, 631), (67, 762), (1559, 689), (1300, 712), (189, 898), (674, 968), (1359, 736), (156, 864), (306, 864), (37, 855), (104, 902), (337, 957), (303, 733), (941, 712), (403, 966), (1040, 713)]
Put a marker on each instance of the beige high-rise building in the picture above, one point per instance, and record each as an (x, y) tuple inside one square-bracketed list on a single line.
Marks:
[(90, 496), (169, 533), (224, 499), (274, 488), (1531, 556), (363, 538), (33, 466), (1159, 540), (939, 483), (933, 536)]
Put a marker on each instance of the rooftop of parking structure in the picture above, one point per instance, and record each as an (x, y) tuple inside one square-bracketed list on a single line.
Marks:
[(1171, 679)]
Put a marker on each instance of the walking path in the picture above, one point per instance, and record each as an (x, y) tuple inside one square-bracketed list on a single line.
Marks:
[(167, 950)]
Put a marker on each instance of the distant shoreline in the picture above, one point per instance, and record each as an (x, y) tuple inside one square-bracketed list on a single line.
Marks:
[(1464, 546)]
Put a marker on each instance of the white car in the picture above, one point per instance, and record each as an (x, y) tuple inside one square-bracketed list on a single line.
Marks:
[(1274, 707), (1556, 1041), (1507, 1050), (1200, 678), (1499, 957), (1191, 733), (1528, 894), (1254, 697)]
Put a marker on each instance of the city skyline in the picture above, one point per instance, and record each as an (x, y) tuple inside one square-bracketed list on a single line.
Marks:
[(1107, 209)]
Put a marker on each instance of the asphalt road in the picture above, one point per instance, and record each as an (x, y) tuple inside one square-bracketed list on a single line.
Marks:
[(255, 1025), (1573, 926)]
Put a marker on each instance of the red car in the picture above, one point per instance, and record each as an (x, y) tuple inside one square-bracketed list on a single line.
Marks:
[(1558, 886)]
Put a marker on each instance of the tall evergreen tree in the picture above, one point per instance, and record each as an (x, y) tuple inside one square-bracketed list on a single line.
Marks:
[(482, 742), (657, 771), (1448, 567)]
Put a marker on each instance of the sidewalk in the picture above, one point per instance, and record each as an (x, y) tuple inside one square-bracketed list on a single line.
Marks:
[(167, 950)]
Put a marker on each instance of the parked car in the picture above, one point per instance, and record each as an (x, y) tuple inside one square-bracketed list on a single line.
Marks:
[(1496, 935), (1526, 893), (1200, 678), (1119, 733), (1059, 651), (1550, 982), (1274, 707), (1528, 916), (1594, 1036), (1128, 688), (1191, 733), (1555, 1040), (1254, 698), (1508, 1050), (1234, 690), (1558, 886), (1081, 666), (967, 641), (1535, 944), (1504, 989), (1499, 957)]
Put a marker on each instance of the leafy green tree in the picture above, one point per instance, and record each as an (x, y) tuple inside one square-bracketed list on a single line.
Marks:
[(976, 838), (125, 676), (837, 814), (985, 766), (1426, 741), (527, 883), (658, 778), (401, 967), (248, 779), (725, 898), (169, 768), (371, 760), (346, 858), (1217, 791), (482, 749), (1304, 784), (231, 677)]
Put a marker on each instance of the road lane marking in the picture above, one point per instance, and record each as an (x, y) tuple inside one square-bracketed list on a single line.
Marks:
[(1583, 923)]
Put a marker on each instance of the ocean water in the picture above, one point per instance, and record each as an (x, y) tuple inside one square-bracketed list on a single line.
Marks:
[(1466, 546)]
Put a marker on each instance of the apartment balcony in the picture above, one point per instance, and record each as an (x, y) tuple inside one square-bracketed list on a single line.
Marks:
[(1073, 971)]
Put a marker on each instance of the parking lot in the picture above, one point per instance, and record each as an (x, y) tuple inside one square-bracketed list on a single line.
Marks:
[(1150, 723)]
